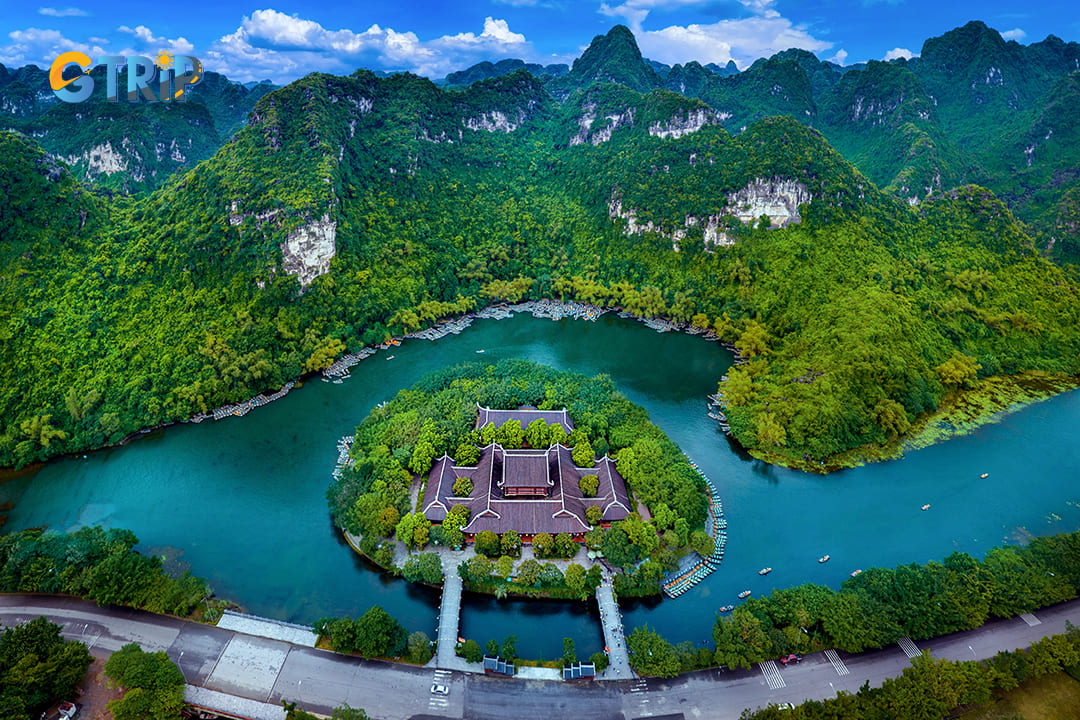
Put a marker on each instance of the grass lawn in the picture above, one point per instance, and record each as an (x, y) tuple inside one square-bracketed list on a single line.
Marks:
[(1054, 697)]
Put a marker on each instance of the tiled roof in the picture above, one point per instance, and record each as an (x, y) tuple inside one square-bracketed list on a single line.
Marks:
[(525, 415), (562, 510)]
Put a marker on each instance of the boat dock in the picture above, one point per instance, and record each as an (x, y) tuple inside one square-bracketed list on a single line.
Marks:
[(697, 568)]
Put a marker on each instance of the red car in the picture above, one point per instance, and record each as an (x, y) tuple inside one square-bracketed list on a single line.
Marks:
[(790, 659)]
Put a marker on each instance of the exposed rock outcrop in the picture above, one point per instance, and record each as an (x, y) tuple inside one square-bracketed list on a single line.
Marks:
[(495, 121), (308, 250), (778, 198), (585, 132), (678, 125)]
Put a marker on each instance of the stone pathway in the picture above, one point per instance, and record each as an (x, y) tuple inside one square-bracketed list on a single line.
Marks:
[(619, 665)]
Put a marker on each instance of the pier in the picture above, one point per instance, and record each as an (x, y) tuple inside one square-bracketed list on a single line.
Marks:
[(614, 640), (690, 573)]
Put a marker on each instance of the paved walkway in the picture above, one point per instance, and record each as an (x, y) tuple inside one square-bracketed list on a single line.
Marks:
[(619, 665), (449, 617)]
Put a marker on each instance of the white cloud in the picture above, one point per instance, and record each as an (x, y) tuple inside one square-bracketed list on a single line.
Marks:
[(37, 46), (148, 42), (272, 44), (1014, 34), (62, 12), (897, 53), (840, 57), (742, 40)]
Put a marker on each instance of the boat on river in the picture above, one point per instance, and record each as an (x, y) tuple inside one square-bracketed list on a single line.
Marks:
[(856, 573), (823, 559), (479, 352), (764, 571), (926, 506), (984, 476), (727, 608), (390, 358), (744, 594)]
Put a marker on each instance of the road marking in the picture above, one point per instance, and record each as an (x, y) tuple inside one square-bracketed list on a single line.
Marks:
[(910, 649), (1030, 619), (837, 663), (437, 703), (772, 675)]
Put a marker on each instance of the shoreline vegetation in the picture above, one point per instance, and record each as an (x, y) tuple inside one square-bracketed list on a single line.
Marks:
[(397, 444), (962, 411)]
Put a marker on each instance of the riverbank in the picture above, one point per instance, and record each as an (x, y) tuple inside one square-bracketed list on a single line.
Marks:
[(959, 414)]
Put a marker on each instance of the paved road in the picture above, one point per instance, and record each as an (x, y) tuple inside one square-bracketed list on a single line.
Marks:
[(269, 670)]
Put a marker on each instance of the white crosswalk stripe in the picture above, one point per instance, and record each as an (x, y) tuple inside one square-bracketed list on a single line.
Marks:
[(837, 663), (772, 675), (1030, 619), (910, 649)]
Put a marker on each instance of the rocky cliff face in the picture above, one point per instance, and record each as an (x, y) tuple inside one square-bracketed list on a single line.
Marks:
[(602, 134), (308, 250), (495, 121), (778, 198), (102, 160), (679, 125)]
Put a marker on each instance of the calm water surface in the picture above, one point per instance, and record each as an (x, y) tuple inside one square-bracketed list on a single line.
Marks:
[(242, 501)]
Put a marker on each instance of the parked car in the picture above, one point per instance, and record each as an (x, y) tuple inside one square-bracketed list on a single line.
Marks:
[(785, 706), (791, 659), (438, 689)]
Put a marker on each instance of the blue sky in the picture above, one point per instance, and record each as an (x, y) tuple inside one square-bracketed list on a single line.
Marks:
[(285, 39)]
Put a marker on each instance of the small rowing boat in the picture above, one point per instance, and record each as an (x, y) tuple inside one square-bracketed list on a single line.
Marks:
[(926, 506), (823, 559), (764, 571), (856, 572), (744, 594), (984, 476)]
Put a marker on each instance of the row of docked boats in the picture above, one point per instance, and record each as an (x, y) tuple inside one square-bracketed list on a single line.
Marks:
[(716, 526)]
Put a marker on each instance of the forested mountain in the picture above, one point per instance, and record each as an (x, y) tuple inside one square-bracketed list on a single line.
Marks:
[(125, 147), (352, 208)]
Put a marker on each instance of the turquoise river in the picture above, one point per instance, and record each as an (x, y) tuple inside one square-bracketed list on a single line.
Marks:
[(242, 501)]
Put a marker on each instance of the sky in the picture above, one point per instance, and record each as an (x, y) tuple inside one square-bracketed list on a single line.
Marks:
[(282, 40)]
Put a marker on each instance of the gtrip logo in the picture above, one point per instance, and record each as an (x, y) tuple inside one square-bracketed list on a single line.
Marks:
[(177, 74)]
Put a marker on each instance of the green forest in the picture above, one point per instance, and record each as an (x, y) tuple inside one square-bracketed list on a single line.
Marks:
[(128, 312), (438, 415)]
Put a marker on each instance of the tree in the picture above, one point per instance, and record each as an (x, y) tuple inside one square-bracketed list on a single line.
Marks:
[(511, 435), (770, 431), (420, 648), (536, 434), (582, 455), (478, 568), (470, 650), (600, 660), (565, 547), (427, 448), (463, 486), (504, 567), (528, 573), (487, 543), (378, 634), (508, 651), (594, 516), (550, 575), (754, 340), (413, 529), (154, 686), (467, 455), (959, 371), (651, 654), (426, 567), (569, 653), (489, 434), (556, 435), (491, 647), (37, 666), (701, 543), (589, 485), (543, 545), (510, 543), (576, 580)]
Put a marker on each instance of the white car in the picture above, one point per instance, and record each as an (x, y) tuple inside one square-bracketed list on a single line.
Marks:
[(438, 689), (785, 706)]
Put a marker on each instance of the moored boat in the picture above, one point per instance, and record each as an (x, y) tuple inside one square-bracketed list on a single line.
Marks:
[(744, 594), (856, 572)]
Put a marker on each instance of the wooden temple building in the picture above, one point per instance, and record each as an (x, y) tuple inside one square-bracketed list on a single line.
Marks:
[(529, 490)]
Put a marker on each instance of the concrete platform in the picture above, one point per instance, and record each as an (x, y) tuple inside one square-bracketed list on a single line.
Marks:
[(231, 705), (267, 628)]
